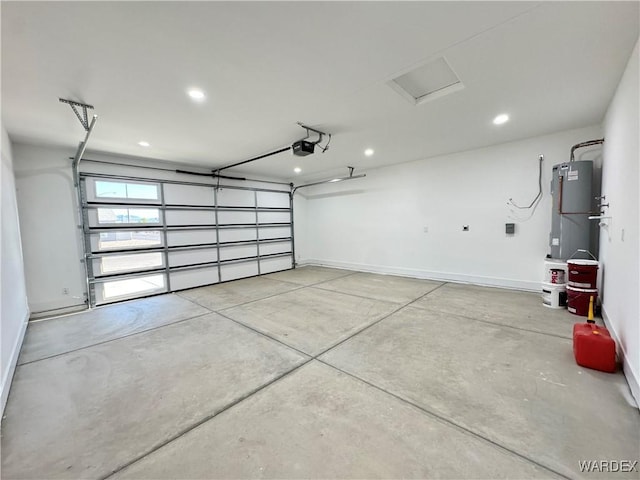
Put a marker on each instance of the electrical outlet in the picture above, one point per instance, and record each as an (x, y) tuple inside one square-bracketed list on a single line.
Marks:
[(65, 291), (465, 228), (425, 229)]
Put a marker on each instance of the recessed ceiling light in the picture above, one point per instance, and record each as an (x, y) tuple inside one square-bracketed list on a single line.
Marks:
[(196, 94), (297, 169), (143, 143), (500, 119), (368, 152), (335, 180)]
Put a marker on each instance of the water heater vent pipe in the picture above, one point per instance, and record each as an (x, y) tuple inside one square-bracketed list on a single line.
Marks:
[(588, 143)]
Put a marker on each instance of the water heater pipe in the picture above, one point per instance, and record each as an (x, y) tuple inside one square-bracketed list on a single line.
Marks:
[(588, 143)]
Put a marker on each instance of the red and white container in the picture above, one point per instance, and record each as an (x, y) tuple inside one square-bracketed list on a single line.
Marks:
[(554, 295), (555, 271), (578, 300), (557, 275), (583, 274)]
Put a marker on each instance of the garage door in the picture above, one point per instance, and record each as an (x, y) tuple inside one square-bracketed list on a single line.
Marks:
[(145, 236)]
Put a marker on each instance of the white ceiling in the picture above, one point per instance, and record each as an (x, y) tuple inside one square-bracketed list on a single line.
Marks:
[(267, 65)]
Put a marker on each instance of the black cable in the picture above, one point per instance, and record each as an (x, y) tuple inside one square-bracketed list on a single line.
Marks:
[(326, 147), (212, 174)]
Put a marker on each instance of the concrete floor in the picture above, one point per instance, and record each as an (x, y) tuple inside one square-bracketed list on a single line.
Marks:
[(314, 373)]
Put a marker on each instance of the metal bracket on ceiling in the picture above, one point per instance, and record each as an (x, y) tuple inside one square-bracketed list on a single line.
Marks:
[(320, 136), (84, 118), (88, 127), (333, 180)]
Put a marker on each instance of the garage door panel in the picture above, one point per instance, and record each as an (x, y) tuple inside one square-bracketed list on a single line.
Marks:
[(274, 217), (237, 235), (181, 258), (176, 194), (191, 237), (234, 271), (190, 217), (278, 247), (273, 199), (228, 197), (265, 233), (238, 251), (275, 264), (182, 279), (235, 218)]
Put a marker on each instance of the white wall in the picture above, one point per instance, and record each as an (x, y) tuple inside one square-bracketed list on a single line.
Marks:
[(14, 312), (377, 223), (619, 241), (48, 221)]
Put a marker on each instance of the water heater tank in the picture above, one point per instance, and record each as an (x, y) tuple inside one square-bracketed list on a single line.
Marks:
[(571, 188)]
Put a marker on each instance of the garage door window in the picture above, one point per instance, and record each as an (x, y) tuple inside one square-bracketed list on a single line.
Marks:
[(131, 216), (126, 240), (105, 189), (112, 264), (114, 290)]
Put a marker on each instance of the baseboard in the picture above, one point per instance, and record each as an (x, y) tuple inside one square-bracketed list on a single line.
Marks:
[(58, 312), (631, 375), (528, 286), (13, 360)]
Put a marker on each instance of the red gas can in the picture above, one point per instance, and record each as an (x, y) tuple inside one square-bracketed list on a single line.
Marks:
[(593, 347)]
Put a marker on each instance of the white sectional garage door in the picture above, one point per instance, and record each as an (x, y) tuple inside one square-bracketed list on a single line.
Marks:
[(145, 237)]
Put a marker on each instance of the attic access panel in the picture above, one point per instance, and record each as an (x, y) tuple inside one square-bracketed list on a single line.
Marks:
[(428, 82)]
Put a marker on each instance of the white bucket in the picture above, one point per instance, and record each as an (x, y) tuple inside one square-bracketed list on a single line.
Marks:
[(554, 295), (551, 271)]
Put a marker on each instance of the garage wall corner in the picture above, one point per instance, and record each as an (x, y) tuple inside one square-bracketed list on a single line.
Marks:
[(620, 237), (14, 312)]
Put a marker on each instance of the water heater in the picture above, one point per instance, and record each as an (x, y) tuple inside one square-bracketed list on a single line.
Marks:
[(571, 188)]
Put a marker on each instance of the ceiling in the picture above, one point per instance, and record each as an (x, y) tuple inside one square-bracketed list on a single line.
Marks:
[(265, 66)]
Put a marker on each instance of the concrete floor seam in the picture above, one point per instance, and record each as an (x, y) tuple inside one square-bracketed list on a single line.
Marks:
[(497, 324), (311, 284), (415, 382), (207, 418), (445, 420), (263, 334), (253, 392), (300, 351), (332, 279), (258, 299), (266, 335), (351, 294), (371, 298), (375, 323), (150, 329)]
